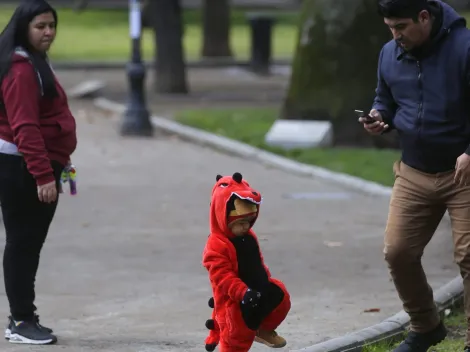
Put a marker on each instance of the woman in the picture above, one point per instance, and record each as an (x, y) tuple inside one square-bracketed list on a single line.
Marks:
[(37, 137)]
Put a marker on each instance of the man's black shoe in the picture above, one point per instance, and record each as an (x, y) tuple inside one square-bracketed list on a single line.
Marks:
[(421, 342)]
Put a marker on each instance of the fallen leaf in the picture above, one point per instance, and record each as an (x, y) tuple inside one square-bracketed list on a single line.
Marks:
[(372, 310), (332, 244)]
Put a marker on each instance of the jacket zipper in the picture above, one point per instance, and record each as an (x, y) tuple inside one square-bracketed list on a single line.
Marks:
[(420, 106)]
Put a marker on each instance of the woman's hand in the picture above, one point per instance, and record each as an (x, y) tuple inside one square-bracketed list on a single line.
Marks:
[(47, 193)]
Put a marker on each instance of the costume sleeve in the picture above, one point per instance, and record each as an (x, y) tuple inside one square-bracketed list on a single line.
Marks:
[(383, 101), (222, 275)]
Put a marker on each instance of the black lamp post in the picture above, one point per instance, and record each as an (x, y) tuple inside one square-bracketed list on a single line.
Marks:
[(136, 117)]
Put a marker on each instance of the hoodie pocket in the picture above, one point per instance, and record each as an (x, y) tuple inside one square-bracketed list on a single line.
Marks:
[(67, 133), (67, 125)]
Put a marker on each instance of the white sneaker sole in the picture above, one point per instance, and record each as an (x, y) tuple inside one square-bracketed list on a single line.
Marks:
[(15, 338)]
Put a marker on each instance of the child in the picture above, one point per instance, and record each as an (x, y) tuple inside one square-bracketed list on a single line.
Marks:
[(248, 303)]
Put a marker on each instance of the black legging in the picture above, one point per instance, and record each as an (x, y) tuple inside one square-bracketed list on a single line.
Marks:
[(26, 222)]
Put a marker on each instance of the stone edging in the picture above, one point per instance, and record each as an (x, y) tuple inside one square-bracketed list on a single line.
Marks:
[(245, 151), (446, 296), (267, 158)]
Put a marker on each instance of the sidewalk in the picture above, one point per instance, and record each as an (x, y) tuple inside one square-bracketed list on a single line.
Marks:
[(121, 271)]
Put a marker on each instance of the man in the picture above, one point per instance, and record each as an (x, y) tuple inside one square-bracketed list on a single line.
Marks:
[(423, 92)]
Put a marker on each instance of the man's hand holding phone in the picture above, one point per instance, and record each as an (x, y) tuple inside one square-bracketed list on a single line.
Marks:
[(373, 123)]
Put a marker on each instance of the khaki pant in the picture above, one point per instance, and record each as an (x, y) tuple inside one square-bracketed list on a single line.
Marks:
[(417, 205)]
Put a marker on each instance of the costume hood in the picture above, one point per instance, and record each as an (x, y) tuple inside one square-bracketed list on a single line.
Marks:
[(224, 193)]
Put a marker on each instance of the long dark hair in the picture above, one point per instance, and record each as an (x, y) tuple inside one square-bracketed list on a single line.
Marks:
[(15, 35)]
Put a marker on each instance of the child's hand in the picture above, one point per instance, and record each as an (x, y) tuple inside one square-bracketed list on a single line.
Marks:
[(250, 309), (251, 298)]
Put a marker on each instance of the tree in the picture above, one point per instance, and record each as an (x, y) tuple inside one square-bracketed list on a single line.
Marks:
[(334, 70), (216, 29), (170, 65)]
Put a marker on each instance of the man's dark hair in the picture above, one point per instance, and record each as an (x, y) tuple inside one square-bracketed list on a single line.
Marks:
[(15, 35), (401, 8)]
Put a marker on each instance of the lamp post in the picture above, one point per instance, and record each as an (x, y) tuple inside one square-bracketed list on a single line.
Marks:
[(136, 117)]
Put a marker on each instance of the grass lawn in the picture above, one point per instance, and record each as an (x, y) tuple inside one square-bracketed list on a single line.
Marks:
[(104, 35), (455, 324), (250, 125)]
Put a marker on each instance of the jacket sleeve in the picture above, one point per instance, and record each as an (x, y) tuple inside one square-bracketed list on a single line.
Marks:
[(222, 275), (21, 96), (383, 101)]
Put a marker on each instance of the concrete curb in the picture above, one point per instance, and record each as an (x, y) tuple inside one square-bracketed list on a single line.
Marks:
[(245, 151), (447, 296)]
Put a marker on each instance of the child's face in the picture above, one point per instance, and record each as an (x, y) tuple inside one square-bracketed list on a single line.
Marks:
[(240, 227)]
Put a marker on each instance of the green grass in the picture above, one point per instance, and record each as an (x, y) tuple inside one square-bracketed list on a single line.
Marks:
[(250, 125), (104, 35), (455, 324)]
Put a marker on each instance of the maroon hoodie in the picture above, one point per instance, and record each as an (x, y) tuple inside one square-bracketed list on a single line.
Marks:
[(43, 129)]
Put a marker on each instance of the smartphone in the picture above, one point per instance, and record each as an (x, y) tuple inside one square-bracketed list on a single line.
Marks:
[(368, 118)]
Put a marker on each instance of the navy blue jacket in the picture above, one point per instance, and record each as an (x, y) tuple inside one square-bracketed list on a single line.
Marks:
[(426, 98)]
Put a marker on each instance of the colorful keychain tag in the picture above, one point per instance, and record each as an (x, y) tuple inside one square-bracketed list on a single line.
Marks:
[(69, 174)]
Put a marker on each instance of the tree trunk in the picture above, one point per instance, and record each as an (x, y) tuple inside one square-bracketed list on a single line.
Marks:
[(335, 66), (146, 14), (170, 66), (216, 29)]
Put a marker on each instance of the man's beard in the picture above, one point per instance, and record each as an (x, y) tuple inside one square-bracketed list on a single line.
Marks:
[(400, 44)]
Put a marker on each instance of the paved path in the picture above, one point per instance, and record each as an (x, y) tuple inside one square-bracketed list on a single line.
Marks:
[(121, 269)]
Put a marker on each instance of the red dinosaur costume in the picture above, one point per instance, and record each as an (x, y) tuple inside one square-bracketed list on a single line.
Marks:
[(248, 304)]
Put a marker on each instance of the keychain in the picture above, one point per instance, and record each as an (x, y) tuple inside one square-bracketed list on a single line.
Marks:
[(69, 174)]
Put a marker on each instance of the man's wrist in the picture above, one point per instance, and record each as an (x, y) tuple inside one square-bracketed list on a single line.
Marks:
[(467, 151), (386, 117), (388, 120)]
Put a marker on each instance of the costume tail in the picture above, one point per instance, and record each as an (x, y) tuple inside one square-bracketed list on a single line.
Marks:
[(212, 340)]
